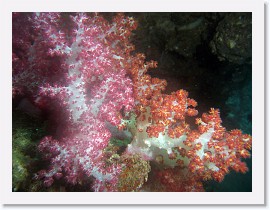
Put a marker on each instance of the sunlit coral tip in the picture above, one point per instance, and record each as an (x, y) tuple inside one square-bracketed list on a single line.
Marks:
[(192, 112), (192, 102)]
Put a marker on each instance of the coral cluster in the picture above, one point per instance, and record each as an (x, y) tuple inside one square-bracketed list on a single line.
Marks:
[(80, 68)]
